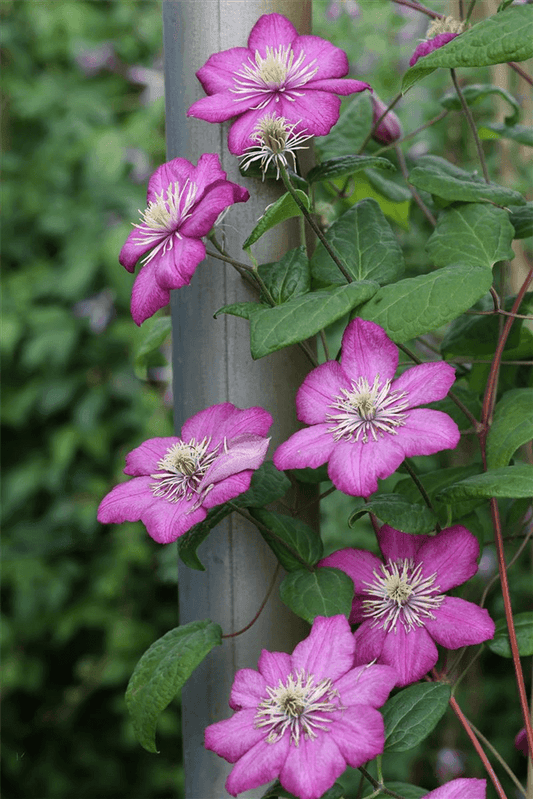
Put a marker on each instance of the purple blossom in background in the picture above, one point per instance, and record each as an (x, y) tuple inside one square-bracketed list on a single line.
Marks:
[(401, 600), (520, 742), (460, 789), (303, 718), (280, 72), (184, 202), (363, 422), (177, 480)]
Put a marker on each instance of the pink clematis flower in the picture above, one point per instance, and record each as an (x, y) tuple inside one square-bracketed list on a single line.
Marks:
[(184, 202), (463, 788), (176, 480), (363, 422), (401, 603), (440, 32), (280, 72), (302, 718)]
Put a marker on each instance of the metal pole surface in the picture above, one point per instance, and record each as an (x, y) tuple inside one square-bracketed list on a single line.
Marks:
[(212, 364)]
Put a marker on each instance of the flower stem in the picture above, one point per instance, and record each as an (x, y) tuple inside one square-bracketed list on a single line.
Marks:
[(499, 758), (523, 74), (261, 606), (472, 124), (416, 196), (413, 132), (423, 492), (329, 247), (379, 785), (378, 122), (417, 7)]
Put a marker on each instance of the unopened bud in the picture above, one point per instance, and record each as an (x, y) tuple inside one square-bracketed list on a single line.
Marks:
[(389, 129)]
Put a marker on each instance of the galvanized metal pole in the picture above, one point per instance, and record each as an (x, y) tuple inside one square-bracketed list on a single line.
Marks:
[(212, 363)]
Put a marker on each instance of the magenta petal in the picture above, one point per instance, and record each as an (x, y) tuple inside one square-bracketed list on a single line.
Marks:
[(228, 489), (464, 788), (367, 351), (453, 554), (412, 654), (358, 564), (127, 501), (342, 86), (395, 545), (274, 666), (328, 649), (427, 382), (460, 623), (317, 111), (240, 134), (166, 521), (244, 452), (259, 765), (369, 642), (357, 613), (310, 447), (366, 685), (271, 30), (359, 734), (175, 267), (424, 48), (312, 767), (226, 421), (219, 71), (207, 172), (426, 431), (135, 247), (222, 106), (248, 689), (217, 197), (232, 738), (147, 296), (332, 62), (178, 170), (318, 391), (144, 459), (355, 466)]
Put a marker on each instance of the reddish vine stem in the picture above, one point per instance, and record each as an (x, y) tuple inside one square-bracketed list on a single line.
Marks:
[(477, 746), (523, 74), (423, 9), (261, 606)]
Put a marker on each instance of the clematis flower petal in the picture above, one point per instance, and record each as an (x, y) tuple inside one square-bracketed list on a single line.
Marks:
[(165, 522), (369, 643), (328, 650), (176, 266), (217, 197), (332, 62), (135, 247), (317, 111), (355, 466), (233, 737), (343, 86), (126, 501), (427, 382), (246, 451), (218, 72), (307, 775), (143, 459), (240, 134), (452, 554), (271, 30), (260, 764), (248, 689), (395, 545), (319, 388), (358, 564), (367, 351), (463, 788), (427, 47), (367, 685), (426, 431), (178, 170), (228, 489), (310, 447), (274, 666), (222, 106), (411, 653), (226, 421), (460, 623), (147, 296), (360, 733)]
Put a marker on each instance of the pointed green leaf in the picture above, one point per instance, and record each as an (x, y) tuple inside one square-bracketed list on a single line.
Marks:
[(268, 484), (403, 789), (509, 481), (308, 475), (523, 623), (156, 331), (289, 277), (396, 511), (243, 309), (365, 240), (420, 304), (413, 713), (323, 592), (163, 670), (431, 179), (284, 208), (297, 320), (191, 540), (475, 233), (396, 192), (475, 92), (507, 36), (346, 165), (347, 136), (522, 220), (297, 536), (511, 427), (497, 130)]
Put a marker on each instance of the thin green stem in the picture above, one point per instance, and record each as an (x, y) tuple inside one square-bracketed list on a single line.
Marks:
[(324, 344), (379, 785), (416, 196), (508, 566), (378, 121), (470, 9), (413, 132), (262, 527), (422, 490), (498, 757), (472, 124)]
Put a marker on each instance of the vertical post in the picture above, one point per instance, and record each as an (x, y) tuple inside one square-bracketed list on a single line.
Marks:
[(212, 364)]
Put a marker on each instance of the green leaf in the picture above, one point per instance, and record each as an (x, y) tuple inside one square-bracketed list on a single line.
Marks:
[(478, 91), (191, 540), (347, 136), (319, 475), (289, 277), (268, 484), (497, 130), (522, 220), (420, 304), (298, 536), (404, 789), (323, 592), (297, 320), (509, 481), (243, 309), (413, 713), (395, 510), (475, 233), (512, 426), (284, 208), (500, 644), (468, 397), (393, 191), (365, 240), (465, 188), (472, 335), (163, 670), (507, 36), (365, 186), (433, 483), (346, 165), (156, 331)]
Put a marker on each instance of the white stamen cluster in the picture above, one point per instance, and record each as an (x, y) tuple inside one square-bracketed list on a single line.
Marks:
[(400, 593), (276, 141), (444, 25), (367, 410), (164, 215), (182, 469), (277, 72), (299, 706)]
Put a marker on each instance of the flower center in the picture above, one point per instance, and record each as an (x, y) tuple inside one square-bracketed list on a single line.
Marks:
[(279, 71), (165, 214), (298, 706), (276, 140), (182, 469), (444, 25), (367, 410), (399, 592)]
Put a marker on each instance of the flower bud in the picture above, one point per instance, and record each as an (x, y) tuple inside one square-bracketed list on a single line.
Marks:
[(389, 129)]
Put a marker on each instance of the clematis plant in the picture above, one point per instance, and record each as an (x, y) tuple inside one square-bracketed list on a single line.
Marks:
[(303, 717), (440, 32), (401, 600), (363, 422), (460, 789)]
